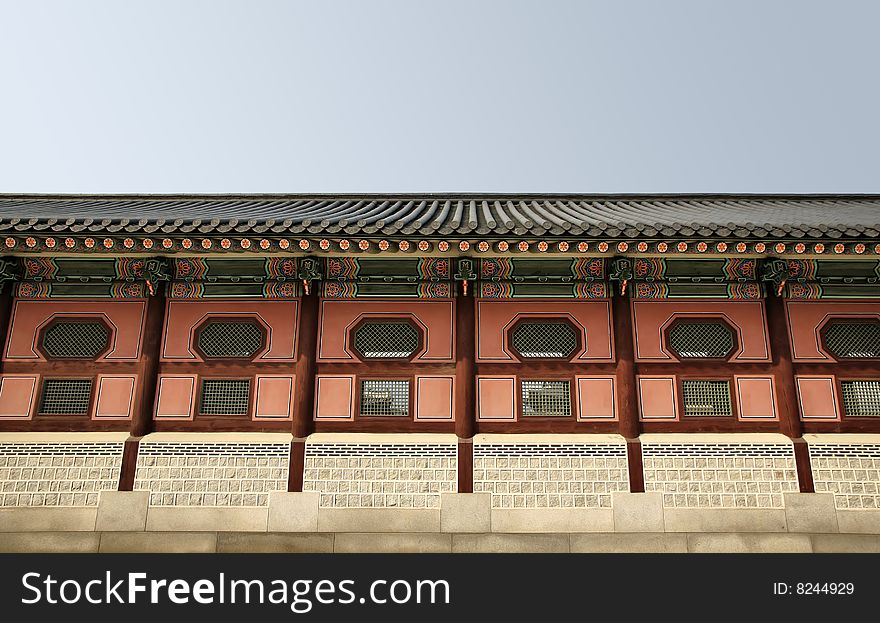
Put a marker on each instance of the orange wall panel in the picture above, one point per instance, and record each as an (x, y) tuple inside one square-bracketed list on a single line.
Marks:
[(126, 319), (496, 398), (274, 397), (805, 321), (494, 319), (434, 397), (657, 398), (434, 317), (335, 397), (184, 316), (755, 398), (176, 394), (817, 398), (596, 398), (651, 319), (115, 396), (17, 393)]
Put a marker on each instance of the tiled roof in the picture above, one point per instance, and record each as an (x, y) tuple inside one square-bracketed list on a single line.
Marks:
[(631, 216)]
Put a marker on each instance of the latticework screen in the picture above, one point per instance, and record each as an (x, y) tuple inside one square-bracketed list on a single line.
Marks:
[(544, 340), (546, 398), (861, 398), (384, 398), (76, 340), (232, 340), (386, 340), (66, 397), (853, 340), (706, 398), (701, 340), (225, 397)]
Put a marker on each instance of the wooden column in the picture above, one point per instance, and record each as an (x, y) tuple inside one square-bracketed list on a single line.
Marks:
[(304, 388), (151, 352), (5, 312), (627, 391), (786, 394), (465, 384), (148, 377)]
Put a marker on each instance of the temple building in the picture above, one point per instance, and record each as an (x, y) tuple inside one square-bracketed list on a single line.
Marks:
[(551, 351)]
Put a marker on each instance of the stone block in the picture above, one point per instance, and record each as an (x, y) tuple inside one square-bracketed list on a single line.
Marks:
[(286, 542), (158, 542), (810, 512), (293, 512), (552, 520), (122, 511), (637, 512), (749, 543), (57, 519), (49, 542), (465, 512), (510, 543), (846, 543), (724, 520), (207, 519), (378, 520), (859, 521), (392, 543), (635, 542)]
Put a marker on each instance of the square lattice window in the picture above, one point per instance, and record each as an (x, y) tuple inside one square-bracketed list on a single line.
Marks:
[(706, 398), (225, 397), (384, 398), (546, 398), (861, 398), (66, 397)]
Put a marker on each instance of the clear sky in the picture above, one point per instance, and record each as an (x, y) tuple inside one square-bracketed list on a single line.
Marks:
[(445, 96)]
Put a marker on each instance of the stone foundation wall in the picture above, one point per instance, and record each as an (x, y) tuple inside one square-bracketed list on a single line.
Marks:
[(381, 471), (212, 470), (58, 469), (719, 471), (847, 466), (550, 471)]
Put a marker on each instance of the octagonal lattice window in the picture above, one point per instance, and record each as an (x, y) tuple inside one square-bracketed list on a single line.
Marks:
[(387, 339), (701, 340), (853, 339), (222, 339), (76, 340), (544, 340)]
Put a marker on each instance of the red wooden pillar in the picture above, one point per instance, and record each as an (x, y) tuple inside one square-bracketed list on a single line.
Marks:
[(786, 394), (627, 391), (304, 387), (6, 295), (465, 383), (148, 377)]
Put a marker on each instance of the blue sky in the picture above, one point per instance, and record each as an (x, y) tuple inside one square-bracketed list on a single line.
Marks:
[(453, 96)]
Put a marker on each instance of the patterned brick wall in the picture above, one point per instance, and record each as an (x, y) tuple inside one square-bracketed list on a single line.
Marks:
[(204, 473), (851, 471), (548, 474), (45, 473), (387, 474), (719, 474)]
